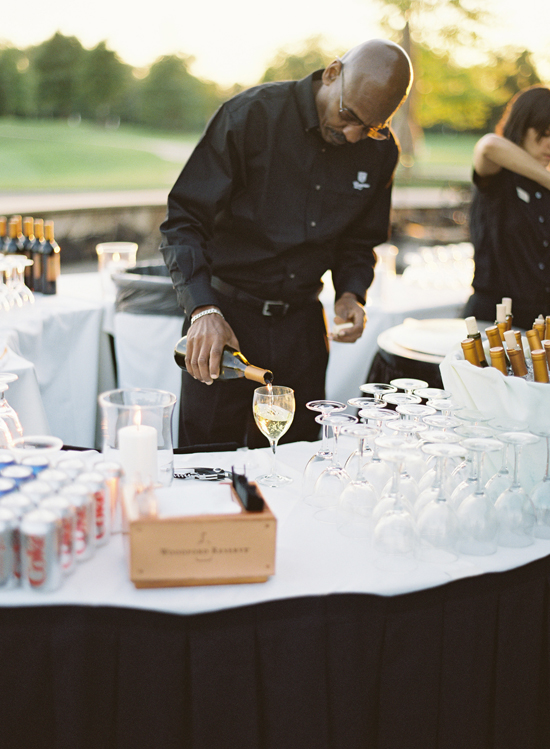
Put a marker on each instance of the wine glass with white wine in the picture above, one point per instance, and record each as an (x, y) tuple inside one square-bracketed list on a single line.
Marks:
[(273, 408)]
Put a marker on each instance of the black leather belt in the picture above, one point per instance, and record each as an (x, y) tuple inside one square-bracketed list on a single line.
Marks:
[(268, 307)]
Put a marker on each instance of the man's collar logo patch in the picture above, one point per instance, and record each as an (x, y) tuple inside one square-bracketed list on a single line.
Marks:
[(361, 182)]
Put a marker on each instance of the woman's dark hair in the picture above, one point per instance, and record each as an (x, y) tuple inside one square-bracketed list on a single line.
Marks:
[(528, 108)]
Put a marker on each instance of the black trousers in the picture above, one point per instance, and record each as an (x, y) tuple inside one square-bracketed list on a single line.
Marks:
[(294, 347)]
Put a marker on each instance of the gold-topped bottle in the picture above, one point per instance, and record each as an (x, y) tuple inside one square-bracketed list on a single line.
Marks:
[(470, 353), (547, 332), (507, 302), (498, 359), (540, 368), (28, 241), (233, 364), (472, 332), (533, 339), (51, 262), (519, 367), (3, 232), (513, 345), (37, 254)]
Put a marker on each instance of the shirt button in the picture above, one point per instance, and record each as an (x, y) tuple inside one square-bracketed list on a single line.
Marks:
[(292, 275), (323, 150), (541, 219), (538, 195), (541, 266), (317, 187), (313, 223), (545, 243)]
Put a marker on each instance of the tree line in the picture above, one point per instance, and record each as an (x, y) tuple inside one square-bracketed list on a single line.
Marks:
[(60, 78)]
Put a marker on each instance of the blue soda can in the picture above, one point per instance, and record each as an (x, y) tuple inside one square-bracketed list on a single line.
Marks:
[(6, 459), (18, 473), (36, 462)]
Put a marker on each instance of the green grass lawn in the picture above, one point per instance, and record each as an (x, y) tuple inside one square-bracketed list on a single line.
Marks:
[(37, 156)]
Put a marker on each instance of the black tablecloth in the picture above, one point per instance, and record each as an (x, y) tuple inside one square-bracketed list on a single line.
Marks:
[(461, 666)]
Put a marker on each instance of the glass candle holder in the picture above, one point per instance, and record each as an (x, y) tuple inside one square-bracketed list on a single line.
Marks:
[(136, 425)]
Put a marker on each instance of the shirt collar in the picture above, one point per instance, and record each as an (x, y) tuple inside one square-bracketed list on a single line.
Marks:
[(306, 100)]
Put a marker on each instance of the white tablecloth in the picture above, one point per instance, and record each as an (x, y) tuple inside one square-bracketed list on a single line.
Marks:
[(312, 558)]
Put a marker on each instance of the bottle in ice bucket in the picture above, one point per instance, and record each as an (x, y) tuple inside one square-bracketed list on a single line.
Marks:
[(233, 364), (475, 335)]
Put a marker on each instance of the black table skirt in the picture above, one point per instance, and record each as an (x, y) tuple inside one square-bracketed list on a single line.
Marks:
[(461, 666)]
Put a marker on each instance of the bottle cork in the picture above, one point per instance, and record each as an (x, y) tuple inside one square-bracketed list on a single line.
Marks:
[(471, 326), (518, 364), (501, 313), (510, 340), (540, 368), (507, 302), (498, 359), (470, 353)]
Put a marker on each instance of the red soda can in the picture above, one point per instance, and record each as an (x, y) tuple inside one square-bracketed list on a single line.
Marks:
[(112, 473), (55, 478), (71, 466), (36, 491), (84, 535), (20, 506), (8, 527), (66, 512), (41, 551), (96, 484)]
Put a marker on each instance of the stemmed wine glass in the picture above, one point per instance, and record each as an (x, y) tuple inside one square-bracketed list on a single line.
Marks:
[(430, 393), (16, 268), (318, 462), (436, 519), (377, 472), (334, 478), (540, 494), (273, 408), (408, 384), (396, 399), (515, 511), (464, 478), (502, 479), (378, 389), (476, 514)]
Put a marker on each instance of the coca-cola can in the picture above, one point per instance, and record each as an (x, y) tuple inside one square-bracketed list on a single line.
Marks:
[(71, 466), (96, 484), (8, 527), (41, 550), (6, 458), (63, 508), (17, 473), (20, 506), (112, 472), (55, 478), (84, 535), (38, 463), (36, 490)]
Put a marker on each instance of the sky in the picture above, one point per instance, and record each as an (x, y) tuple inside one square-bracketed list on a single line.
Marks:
[(235, 40)]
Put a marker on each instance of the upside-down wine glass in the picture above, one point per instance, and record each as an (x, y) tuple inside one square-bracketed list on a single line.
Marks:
[(273, 408), (408, 384), (477, 516), (540, 494), (515, 511), (463, 478), (334, 478), (376, 471), (429, 393), (322, 457), (362, 453), (501, 480), (378, 389)]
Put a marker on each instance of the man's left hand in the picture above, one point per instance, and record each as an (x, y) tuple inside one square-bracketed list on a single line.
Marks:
[(348, 310)]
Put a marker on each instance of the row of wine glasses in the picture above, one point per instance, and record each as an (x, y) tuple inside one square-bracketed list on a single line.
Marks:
[(14, 293), (417, 483)]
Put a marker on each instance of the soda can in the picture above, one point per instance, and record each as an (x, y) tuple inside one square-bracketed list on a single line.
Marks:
[(6, 458), (36, 462), (8, 527), (66, 512), (36, 490), (96, 484), (55, 478), (112, 473), (7, 486), (18, 473), (41, 550), (20, 506), (84, 535), (71, 466)]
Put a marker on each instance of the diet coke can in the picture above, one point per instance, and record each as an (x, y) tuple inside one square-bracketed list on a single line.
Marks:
[(8, 527), (96, 484), (55, 478), (41, 551), (20, 506), (71, 466), (84, 535), (66, 512), (112, 473), (36, 491)]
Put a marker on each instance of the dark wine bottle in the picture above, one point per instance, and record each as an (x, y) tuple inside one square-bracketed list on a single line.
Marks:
[(28, 240), (13, 246), (233, 364), (3, 232), (50, 260), (37, 254)]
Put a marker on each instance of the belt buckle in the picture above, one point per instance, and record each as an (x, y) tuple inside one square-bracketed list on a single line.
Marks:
[(279, 308)]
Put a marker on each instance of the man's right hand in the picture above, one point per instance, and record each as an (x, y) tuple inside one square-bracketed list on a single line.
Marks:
[(206, 339)]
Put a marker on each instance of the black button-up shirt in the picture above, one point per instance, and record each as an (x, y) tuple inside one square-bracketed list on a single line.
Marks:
[(267, 205), (510, 231)]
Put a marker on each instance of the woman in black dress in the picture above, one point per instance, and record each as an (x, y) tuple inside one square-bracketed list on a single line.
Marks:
[(510, 214)]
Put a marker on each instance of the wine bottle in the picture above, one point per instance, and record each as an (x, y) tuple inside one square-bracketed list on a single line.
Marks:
[(50, 260), (470, 353), (519, 367), (3, 232), (540, 326), (496, 340), (507, 302), (546, 347), (547, 331), (533, 340), (13, 245), (472, 332), (515, 349), (37, 254), (233, 364), (498, 359), (28, 240), (540, 369)]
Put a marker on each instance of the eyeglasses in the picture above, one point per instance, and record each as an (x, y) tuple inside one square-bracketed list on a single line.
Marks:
[(382, 133)]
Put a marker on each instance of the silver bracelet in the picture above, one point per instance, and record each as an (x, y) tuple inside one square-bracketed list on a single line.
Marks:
[(209, 311)]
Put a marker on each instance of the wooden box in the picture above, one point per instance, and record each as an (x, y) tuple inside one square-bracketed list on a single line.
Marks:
[(200, 549)]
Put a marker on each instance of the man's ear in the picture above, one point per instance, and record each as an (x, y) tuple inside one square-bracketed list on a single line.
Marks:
[(331, 72)]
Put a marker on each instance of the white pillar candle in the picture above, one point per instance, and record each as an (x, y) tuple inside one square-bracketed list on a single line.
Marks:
[(138, 453)]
